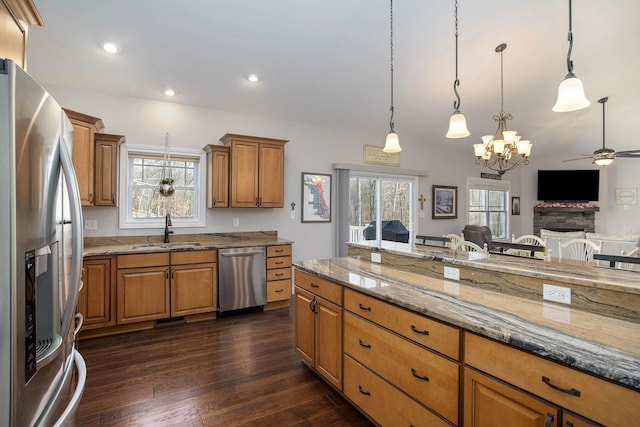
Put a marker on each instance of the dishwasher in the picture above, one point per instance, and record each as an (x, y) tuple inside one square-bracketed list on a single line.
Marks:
[(242, 281)]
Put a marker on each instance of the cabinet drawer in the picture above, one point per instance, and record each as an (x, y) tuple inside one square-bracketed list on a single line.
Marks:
[(599, 400), (430, 333), (324, 288), (381, 401), (279, 274), (278, 262), (278, 290), (152, 259), (194, 257), (428, 377), (280, 250)]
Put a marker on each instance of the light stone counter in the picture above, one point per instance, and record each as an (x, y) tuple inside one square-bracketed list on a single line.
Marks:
[(601, 345), (139, 244)]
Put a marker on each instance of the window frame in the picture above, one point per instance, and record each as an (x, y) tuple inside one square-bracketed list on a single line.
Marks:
[(126, 221), (491, 185)]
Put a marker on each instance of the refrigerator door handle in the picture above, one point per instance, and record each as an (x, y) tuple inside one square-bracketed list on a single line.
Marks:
[(76, 230), (77, 394)]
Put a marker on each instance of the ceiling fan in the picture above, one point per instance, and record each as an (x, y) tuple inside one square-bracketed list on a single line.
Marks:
[(605, 156)]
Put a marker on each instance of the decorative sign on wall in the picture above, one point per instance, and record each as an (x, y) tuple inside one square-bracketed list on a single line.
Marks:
[(626, 196), (375, 156)]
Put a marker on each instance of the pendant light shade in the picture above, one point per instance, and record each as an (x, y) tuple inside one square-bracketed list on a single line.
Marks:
[(392, 143), (457, 126), (570, 92), (571, 95)]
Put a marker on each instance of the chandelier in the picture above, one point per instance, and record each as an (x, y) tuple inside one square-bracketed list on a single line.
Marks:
[(505, 150)]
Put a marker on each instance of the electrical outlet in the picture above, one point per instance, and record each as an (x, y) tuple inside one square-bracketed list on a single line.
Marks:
[(556, 293), (376, 257), (90, 224), (452, 273), (236, 222)]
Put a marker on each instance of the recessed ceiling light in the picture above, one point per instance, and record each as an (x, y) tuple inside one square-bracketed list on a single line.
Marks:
[(253, 78), (170, 91), (110, 47)]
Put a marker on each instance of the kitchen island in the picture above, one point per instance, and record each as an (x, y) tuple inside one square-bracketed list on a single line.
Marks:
[(508, 348)]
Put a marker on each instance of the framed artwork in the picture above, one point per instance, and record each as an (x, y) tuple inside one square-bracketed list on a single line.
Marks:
[(445, 202), (316, 197), (515, 206)]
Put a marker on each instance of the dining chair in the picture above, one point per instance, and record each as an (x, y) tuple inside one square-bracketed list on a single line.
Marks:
[(628, 265), (527, 239), (454, 240), (467, 246), (579, 249)]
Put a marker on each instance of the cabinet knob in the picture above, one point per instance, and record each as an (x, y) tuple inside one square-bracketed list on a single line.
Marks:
[(113, 199), (90, 197)]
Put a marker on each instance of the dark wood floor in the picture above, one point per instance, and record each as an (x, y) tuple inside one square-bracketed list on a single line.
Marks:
[(235, 371)]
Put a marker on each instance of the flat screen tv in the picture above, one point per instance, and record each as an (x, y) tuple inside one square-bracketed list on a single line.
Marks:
[(568, 185)]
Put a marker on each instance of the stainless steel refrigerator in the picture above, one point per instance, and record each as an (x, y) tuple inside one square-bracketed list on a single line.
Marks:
[(42, 375)]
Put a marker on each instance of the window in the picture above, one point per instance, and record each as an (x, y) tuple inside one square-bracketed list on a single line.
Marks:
[(143, 206), (380, 203), (488, 205)]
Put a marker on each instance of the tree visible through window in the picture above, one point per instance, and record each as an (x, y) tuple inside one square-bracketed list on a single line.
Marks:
[(489, 207)]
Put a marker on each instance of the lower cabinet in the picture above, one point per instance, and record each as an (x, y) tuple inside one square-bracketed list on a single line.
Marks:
[(193, 282), (96, 301), (278, 263), (318, 326)]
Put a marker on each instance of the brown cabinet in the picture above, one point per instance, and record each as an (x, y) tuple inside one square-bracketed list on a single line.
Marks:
[(318, 326), (256, 171), (96, 301), (217, 176), (193, 282), (106, 173), (572, 391), (15, 18), (166, 284), (278, 274)]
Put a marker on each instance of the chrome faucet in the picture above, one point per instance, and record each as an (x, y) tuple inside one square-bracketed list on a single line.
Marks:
[(167, 224)]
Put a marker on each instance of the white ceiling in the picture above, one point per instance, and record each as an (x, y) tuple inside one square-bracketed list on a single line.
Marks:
[(326, 62)]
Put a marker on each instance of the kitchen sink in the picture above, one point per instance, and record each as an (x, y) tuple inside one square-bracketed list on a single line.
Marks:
[(177, 245)]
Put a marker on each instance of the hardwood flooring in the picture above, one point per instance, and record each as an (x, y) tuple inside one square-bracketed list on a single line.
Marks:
[(235, 371)]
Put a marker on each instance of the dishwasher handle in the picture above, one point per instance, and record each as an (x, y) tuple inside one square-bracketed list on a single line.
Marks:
[(237, 254)]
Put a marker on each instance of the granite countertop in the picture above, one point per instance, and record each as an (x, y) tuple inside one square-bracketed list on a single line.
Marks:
[(565, 270), (94, 246), (601, 345)]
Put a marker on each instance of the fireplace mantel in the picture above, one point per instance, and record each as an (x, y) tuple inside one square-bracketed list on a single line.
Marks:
[(566, 209), (564, 217)]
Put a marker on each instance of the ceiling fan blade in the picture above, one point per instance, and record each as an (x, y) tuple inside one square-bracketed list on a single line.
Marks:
[(579, 158), (629, 153)]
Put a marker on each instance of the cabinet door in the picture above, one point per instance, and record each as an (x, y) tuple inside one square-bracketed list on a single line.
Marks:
[(142, 294), (83, 159), (96, 299), (329, 341), (244, 174), (106, 173), (489, 402), (304, 326), (193, 289), (271, 170), (218, 178)]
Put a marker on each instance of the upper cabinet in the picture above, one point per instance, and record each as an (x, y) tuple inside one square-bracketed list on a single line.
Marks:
[(256, 171), (15, 18), (95, 160), (217, 176)]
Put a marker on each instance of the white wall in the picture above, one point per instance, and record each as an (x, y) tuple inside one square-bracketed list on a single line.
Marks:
[(310, 149)]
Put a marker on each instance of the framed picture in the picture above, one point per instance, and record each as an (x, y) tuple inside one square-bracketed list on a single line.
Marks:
[(316, 197), (445, 202), (515, 206)]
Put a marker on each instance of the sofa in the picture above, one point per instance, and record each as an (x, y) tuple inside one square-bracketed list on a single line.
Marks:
[(611, 244)]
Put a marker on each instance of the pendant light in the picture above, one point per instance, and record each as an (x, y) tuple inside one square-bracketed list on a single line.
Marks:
[(570, 92), (457, 122), (392, 143)]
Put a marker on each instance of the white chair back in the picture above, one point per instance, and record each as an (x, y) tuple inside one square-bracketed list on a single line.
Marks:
[(467, 246), (579, 249), (628, 265), (527, 239), (454, 240)]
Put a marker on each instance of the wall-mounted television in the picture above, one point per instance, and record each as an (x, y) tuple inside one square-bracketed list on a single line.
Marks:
[(568, 185)]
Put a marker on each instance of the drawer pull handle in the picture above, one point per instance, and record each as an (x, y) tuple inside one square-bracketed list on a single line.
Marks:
[(568, 424), (420, 377), (361, 390), (418, 331), (279, 291), (279, 250), (549, 419), (279, 274), (313, 285), (279, 262), (548, 382), (362, 307), (364, 345)]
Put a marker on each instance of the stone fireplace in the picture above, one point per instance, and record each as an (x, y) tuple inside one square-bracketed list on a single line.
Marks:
[(565, 218)]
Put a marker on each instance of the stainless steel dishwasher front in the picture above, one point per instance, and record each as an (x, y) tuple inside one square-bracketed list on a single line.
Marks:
[(242, 278)]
